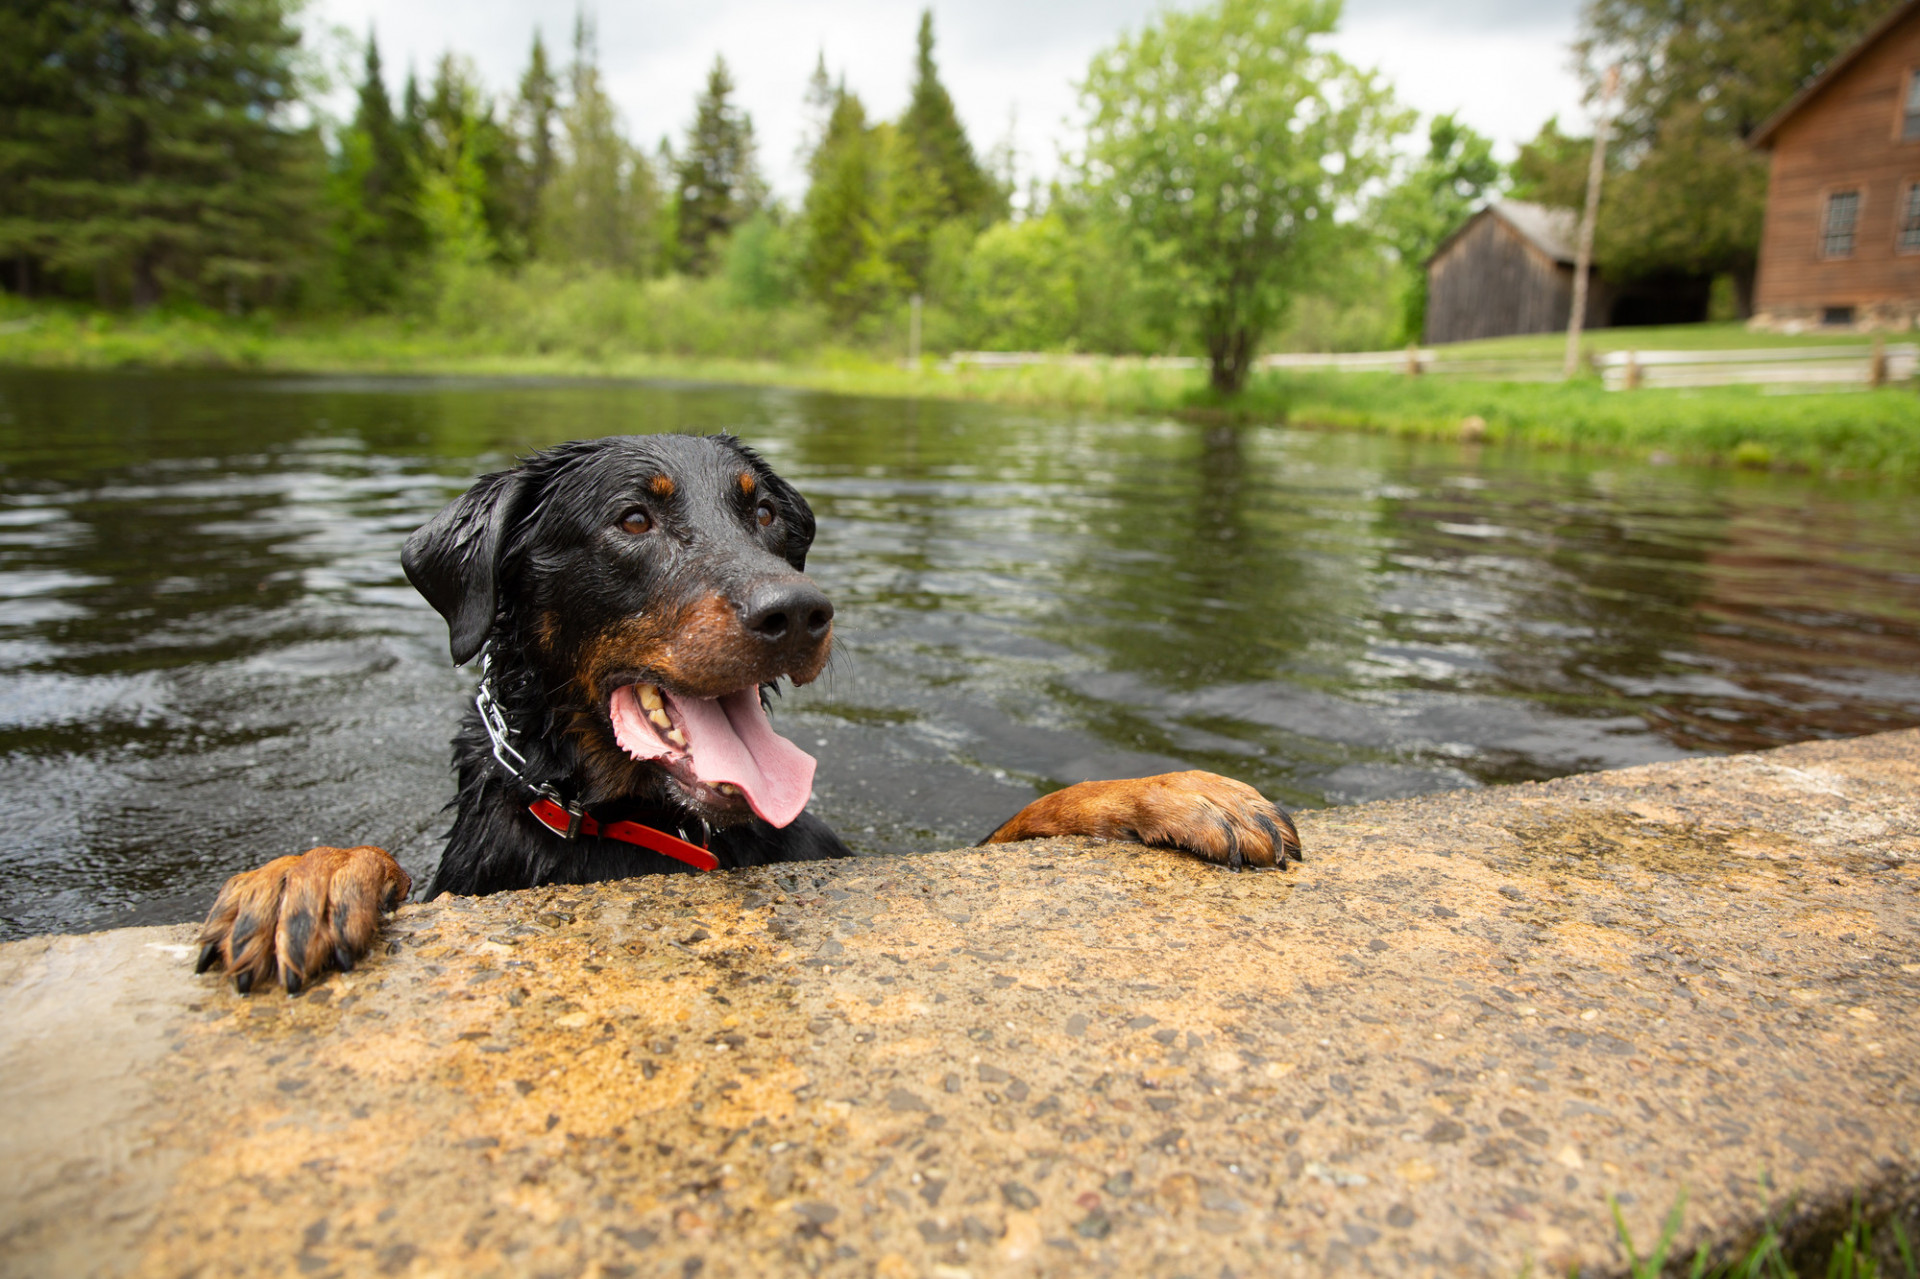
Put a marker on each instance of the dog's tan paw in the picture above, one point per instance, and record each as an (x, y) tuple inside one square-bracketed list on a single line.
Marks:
[(1222, 820), (295, 917)]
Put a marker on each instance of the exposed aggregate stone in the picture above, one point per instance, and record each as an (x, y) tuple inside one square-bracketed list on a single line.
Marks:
[(1434, 1048)]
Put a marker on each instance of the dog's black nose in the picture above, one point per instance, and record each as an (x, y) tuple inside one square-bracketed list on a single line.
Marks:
[(780, 611)]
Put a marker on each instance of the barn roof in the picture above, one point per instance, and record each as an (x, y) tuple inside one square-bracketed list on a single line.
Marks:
[(1762, 137), (1552, 231)]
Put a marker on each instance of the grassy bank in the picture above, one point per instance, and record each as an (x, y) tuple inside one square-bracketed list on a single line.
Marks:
[(1857, 432)]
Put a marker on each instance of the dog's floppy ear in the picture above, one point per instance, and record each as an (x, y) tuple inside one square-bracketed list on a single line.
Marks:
[(453, 559)]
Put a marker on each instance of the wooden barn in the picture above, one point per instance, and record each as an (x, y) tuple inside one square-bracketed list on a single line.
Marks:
[(1509, 269), (1842, 241)]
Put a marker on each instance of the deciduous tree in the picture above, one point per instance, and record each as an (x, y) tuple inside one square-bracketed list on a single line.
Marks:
[(1685, 193), (1432, 199), (1232, 146)]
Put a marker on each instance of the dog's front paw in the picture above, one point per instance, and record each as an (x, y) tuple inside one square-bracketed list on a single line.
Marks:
[(296, 916), (1222, 820)]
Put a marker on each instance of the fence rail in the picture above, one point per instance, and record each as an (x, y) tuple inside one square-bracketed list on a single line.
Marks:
[(1873, 365), (1830, 365)]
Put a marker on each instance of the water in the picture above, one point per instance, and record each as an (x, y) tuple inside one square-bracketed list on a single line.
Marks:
[(209, 656)]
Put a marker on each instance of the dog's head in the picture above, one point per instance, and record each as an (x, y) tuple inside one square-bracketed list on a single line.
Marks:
[(652, 584)]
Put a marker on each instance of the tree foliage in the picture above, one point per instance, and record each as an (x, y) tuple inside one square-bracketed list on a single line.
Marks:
[(600, 207), (936, 142), (1228, 172), (1684, 192), (532, 124), (846, 265), (153, 146), (717, 182), (1231, 147), (379, 234), (1435, 195), (933, 174)]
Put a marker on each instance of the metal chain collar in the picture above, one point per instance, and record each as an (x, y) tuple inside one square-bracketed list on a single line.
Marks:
[(493, 717)]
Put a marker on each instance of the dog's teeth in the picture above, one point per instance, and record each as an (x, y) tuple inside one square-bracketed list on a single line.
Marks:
[(677, 737), (660, 717), (650, 697), (727, 788)]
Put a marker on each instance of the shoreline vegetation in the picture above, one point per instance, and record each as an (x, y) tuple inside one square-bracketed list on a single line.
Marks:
[(1234, 189), (1846, 433)]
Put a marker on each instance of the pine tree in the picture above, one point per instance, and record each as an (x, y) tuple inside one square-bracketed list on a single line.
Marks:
[(534, 158), (717, 184), (937, 141), (153, 147), (816, 110), (375, 195), (844, 263), (601, 208), (933, 175), (463, 158)]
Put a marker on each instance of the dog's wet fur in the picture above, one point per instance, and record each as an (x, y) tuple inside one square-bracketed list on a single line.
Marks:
[(672, 560)]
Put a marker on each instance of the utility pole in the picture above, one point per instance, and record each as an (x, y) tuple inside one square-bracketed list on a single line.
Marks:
[(1583, 260)]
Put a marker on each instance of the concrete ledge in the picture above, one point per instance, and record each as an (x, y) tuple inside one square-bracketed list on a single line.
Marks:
[(1434, 1048)]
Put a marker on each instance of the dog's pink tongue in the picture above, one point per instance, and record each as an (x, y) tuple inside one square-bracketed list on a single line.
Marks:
[(730, 740)]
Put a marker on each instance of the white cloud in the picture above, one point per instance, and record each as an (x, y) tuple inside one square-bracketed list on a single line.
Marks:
[(1501, 63)]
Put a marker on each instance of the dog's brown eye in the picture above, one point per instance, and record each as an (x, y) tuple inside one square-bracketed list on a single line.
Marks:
[(763, 514), (636, 522)]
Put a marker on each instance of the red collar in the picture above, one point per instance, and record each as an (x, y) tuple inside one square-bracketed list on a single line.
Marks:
[(559, 821)]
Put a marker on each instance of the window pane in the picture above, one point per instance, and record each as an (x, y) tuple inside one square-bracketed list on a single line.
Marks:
[(1843, 209), (1910, 127), (1910, 220)]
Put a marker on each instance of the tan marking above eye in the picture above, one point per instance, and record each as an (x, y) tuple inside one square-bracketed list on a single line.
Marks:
[(661, 485), (746, 482)]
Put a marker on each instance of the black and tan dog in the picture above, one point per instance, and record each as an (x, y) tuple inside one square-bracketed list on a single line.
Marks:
[(634, 600)]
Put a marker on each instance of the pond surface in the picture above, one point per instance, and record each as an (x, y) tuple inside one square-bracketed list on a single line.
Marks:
[(209, 656)]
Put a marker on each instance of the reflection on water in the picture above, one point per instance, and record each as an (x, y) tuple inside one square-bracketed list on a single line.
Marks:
[(208, 654)]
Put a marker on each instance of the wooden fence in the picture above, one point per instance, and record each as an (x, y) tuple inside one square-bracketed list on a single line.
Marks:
[(1874, 365), (1785, 367)]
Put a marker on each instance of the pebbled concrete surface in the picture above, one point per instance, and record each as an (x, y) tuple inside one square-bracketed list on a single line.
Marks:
[(1434, 1048)]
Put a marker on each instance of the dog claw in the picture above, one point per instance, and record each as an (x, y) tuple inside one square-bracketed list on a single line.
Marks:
[(288, 922)]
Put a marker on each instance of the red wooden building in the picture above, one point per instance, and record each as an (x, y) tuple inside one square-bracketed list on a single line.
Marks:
[(1842, 240)]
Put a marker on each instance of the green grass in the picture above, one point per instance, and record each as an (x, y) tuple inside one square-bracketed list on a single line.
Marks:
[(686, 335), (1851, 1255)]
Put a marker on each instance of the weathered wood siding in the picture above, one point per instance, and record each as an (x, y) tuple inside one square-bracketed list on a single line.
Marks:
[(1491, 282), (1846, 138)]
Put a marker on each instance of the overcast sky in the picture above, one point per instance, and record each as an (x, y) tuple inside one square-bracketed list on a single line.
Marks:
[(1502, 64)]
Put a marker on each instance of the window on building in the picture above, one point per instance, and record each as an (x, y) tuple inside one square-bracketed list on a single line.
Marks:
[(1843, 214), (1836, 317), (1910, 120), (1910, 220)]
